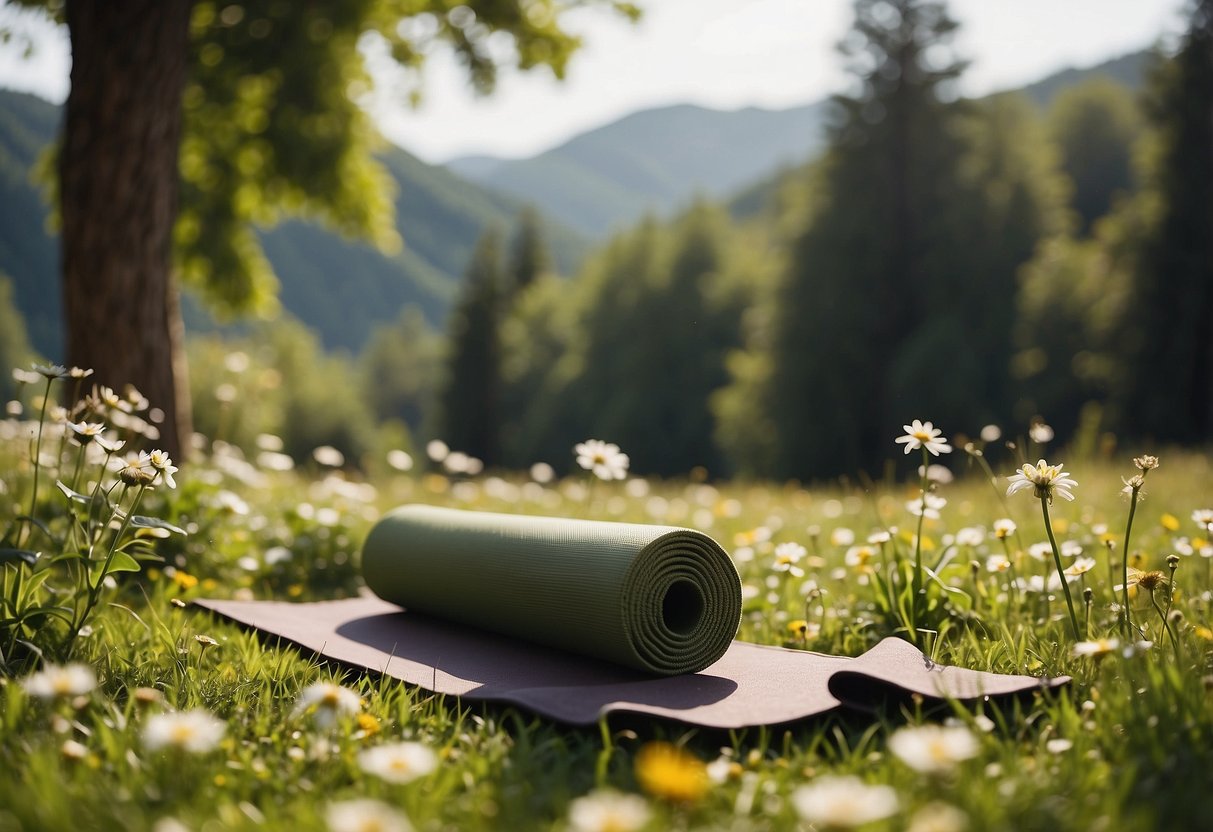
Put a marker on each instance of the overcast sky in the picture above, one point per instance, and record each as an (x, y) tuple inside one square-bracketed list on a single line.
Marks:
[(719, 53)]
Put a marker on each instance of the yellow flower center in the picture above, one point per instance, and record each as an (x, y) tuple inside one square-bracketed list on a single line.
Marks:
[(922, 436), (614, 822)]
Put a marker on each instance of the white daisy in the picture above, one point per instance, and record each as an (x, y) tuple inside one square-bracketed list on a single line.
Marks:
[(1098, 648), (938, 817), (1004, 528), (928, 506), (604, 810), (843, 802), (997, 563), (934, 748), (195, 731), (971, 536), (328, 456), (400, 762), (365, 815), (60, 681), (991, 433), (162, 463), (1080, 567), (603, 458), (1044, 480), (326, 702), (787, 555), (924, 435), (1040, 433)]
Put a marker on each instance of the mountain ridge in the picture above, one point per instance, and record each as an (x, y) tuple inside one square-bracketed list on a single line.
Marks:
[(602, 178)]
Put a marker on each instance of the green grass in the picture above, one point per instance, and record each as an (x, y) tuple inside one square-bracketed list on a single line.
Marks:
[(1139, 729)]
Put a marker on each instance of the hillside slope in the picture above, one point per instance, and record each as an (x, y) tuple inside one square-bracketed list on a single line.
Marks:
[(340, 287), (653, 161)]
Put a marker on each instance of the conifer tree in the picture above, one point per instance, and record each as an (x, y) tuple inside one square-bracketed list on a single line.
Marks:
[(529, 256), (1169, 330), (876, 259), (469, 401), (1095, 126)]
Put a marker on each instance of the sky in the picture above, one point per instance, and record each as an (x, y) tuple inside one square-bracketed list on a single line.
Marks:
[(723, 54)]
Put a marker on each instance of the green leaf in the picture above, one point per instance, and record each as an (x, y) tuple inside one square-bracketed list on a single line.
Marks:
[(121, 562), (138, 521), (24, 555), (74, 496), (62, 613)]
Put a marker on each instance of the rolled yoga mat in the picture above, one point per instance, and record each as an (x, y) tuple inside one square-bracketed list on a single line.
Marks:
[(660, 599)]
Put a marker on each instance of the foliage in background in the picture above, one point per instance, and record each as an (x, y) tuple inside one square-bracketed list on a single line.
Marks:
[(469, 400), (1169, 344), (280, 381), (1095, 127), (15, 350), (1037, 309), (889, 275), (400, 369)]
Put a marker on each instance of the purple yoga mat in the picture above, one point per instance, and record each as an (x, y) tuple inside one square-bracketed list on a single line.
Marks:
[(750, 685)]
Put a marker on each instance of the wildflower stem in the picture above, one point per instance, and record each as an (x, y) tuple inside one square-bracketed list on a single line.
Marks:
[(917, 578), (1165, 624), (1065, 587), (1124, 566), (992, 479), (94, 589), (1012, 593), (79, 465), (33, 501)]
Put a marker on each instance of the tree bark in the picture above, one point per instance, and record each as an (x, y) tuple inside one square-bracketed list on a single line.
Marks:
[(118, 191)]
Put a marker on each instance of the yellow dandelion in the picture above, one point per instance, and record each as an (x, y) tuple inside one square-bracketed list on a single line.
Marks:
[(184, 580), (368, 724), (1169, 522), (669, 772)]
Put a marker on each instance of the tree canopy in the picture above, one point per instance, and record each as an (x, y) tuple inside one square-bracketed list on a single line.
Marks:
[(189, 122)]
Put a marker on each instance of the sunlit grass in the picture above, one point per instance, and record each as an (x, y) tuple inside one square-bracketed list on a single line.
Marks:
[(1135, 726)]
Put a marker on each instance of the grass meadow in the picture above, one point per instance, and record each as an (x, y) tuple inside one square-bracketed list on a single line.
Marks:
[(157, 716)]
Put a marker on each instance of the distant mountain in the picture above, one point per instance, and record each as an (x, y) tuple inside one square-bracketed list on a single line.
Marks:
[(653, 161), (475, 167), (1129, 70), (340, 287), (657, 160)]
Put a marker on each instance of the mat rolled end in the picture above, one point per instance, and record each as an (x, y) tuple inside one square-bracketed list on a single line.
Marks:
[(682, 603)]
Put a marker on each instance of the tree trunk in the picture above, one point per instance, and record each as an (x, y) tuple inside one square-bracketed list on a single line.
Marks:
[(118, 187)]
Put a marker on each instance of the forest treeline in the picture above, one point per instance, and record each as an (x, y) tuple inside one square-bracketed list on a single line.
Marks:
[(969, 262)]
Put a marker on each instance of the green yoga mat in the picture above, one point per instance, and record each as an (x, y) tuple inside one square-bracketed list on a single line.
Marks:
[(657, 598)]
